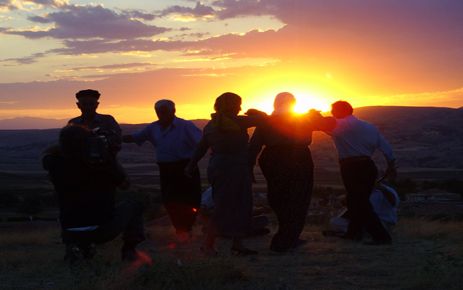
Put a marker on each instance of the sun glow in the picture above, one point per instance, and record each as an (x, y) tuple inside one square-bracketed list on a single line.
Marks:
[(304, 102)]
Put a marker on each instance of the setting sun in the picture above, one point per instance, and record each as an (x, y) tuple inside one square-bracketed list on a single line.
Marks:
[(305, 102)]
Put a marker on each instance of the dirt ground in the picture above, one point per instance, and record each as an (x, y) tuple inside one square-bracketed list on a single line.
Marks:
[(425, 255)]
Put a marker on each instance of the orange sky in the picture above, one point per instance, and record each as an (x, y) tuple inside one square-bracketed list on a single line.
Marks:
[(367, 52)]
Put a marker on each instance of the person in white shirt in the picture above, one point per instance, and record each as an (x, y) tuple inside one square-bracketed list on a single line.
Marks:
[(356, 141), (175, 140)]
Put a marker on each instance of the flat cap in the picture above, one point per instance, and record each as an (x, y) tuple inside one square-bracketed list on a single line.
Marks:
[(88, 93)]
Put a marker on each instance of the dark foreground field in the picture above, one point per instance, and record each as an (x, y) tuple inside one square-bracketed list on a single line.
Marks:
[(425, 255)]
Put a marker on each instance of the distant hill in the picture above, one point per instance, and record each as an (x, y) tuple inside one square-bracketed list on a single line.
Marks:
[(31, 123), (422, 137)]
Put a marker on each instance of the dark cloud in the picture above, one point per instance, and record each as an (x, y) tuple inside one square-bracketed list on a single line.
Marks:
[(11, 5), (7, 4), (25, 60), (197, 35), (418, 37), (139, 15), (114, 66), (47, 2), (198, 11), (392, 16), (236, 8), (102, 46), (40, 19), (80, 22)]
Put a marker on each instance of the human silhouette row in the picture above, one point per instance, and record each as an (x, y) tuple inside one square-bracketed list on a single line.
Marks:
[(85, 172)]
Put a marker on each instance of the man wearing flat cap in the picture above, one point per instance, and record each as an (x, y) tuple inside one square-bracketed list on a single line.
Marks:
[(87, 102)]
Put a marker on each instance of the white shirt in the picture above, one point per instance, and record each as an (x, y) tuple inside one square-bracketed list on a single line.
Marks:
[(353, 137), (174, 143), (382, 207)]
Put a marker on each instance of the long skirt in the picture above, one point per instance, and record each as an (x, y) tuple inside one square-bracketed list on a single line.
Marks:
[(289, 174), (230, 178)]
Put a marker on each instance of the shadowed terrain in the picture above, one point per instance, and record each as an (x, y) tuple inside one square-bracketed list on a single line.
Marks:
[(427, 252)]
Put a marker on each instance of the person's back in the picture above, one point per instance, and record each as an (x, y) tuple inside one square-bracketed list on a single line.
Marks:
[(86, 196), (355, 137), (356, 141), (227, 135), (85, 193)]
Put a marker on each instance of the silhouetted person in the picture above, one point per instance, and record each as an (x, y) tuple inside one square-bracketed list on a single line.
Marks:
[(86, 196), (103, 125), (287, 165), (174, 139), (356, 141), (228, 173)]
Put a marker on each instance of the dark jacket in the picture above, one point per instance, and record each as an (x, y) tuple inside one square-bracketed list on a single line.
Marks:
[(85, 193)]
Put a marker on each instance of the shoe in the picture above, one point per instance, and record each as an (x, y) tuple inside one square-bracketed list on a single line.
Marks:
[(278, 249), (75, 253), (89, 251), (299, 243), (184, 236), (209, 251), (378, 243), (260, 232), (242, 252), (129, 254), (355, 238), (333, 234)]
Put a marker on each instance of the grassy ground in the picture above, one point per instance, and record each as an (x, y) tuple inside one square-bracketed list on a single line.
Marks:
[(426, 255)]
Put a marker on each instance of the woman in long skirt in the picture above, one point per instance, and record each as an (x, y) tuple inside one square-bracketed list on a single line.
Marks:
[(228, 172)]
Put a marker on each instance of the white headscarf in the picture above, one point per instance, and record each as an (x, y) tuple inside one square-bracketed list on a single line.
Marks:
[(284, 103)]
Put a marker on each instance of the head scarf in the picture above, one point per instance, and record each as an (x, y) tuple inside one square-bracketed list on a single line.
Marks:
[(224, 106)]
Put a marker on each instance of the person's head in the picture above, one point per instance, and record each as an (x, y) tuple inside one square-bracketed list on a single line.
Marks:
[(228, 104), (284, 103), (341, 109), (165, 110), (87, 101), (73, 140)]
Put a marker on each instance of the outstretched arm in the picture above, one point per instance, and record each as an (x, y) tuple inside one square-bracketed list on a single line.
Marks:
[(253, 118), (255, 146), (320, 123), (200, 151), (138, 137), (386, 149), (193, 133)]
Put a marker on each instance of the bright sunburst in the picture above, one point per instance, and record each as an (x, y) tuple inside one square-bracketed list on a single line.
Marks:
[(305, 102)]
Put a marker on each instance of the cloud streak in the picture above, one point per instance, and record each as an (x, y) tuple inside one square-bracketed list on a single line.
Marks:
[(200, 11), (86, 22)]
